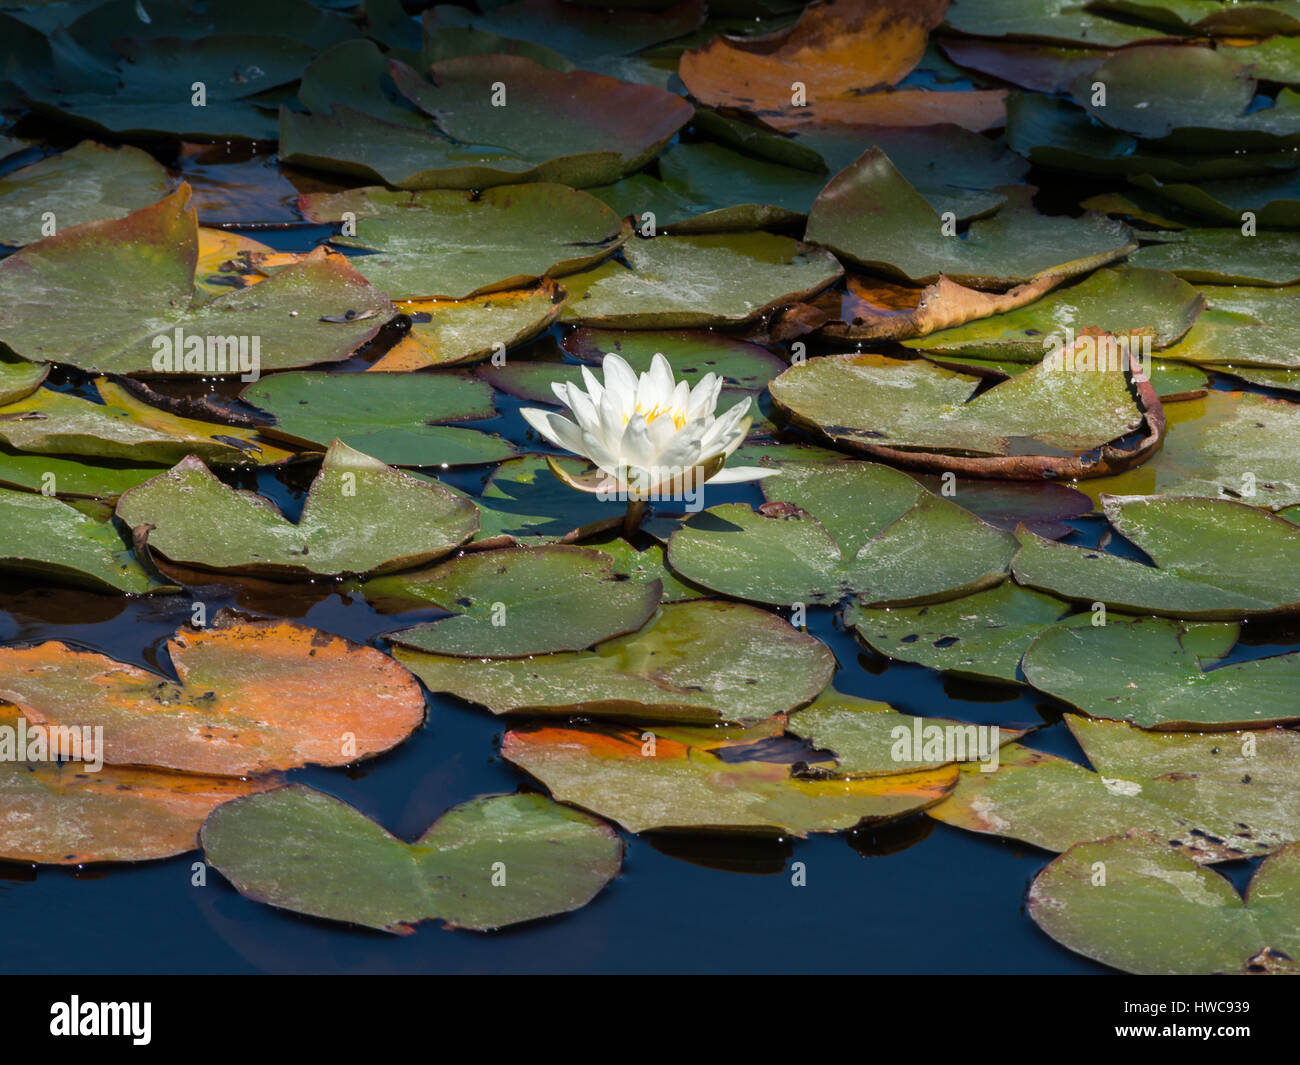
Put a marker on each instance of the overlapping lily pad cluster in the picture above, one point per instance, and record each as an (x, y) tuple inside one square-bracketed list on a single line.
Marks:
[(827, 208)]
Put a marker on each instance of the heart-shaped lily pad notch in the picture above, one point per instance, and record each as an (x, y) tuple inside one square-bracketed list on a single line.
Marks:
[(1225, 256), (76, 545), (697, 661), (698, 281), (836, 529), (517, 602), (1160, 673), (871, 215), (1193, 575), (696, 779), (485, 864), (982, 635), (455, 332), (252, 697), (360, 517), (841, 79), (1215, 797), (1078, 413), (1158, 913), (83, 184), (451, 244), (122, 427), (1123, 300), (388, 416), (141, 314), (71, 813), (1042, 508)]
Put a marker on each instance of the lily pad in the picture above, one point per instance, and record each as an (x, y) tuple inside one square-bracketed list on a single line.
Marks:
[(872, 216), (491, 862), (72, 477), (524, 503), (1042, 508), (1049, 421), (648, 566), (83, 184), (20, 379), (252, 697), (389, 416), (1274, 200), (1244, 327), (1064, 21), (517, 602), (360, 517), (1214, 797), (693, 353), (841, 529), (1207, 18), (1159, 913), (692, 781), (448, 244), (1158, 673), (982, 635), (64, 814), (696, 281), (1193, 575), (125, 287), (700, 661), (1225, 257)]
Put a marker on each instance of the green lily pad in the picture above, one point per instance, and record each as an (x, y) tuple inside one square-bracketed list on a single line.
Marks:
[(449, 42), (360, 517), (982, 635), (1244, 327), (1274, 59), (389, 416), (1192, 576), (524, 503), (1225, 256), (299, 19), (83, 184), (519, 601), (1035, 65), (353, 75), (20, 379), (696, 281), (1274, 199), (700, 661), (1158, 673), (1042, 422), (485, 864), (1147, 97), (872, 216), (124, 287), (845, 529), (1121, 300), (71, 477), (1208, 17), (1063, 21), (1159, 913), (451, 244), (691, 779), (646, 567), (1214, 797)]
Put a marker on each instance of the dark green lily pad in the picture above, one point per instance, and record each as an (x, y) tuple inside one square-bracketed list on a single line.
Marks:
[(449, 42), (1215, 797), (695, 281), (488, 863), (1194, 575), (1042, 508), (526, 503), (872, 216), (699, 661), (1244, 327), (389, 416), (83, 184), (1274, 199), (1274, 59), (449, 244), (646, 566), (982, 635), (1208, 18), (520, 601), (360, 517), (299, 19), (123, 287), (354, 75), (1064, 21), (1158, 673), (71, 477), (846, 529), (1159, 913), (1034, 65), (1225, 257)]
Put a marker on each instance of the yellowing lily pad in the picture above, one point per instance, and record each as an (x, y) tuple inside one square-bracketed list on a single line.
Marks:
[(1225, 257)]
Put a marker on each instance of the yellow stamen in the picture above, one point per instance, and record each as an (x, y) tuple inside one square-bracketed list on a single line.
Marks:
[(677, 415)]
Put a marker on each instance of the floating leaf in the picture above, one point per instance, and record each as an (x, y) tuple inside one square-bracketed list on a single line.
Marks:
[(1225, 256), (1065, 21), (444, 243), (1244, 327), (1030, 64), (360, 517), (302, 850), (690, 282), (71, 477), (1209, 19), (1159, 913), (388, 416), (524, 503), (142, 274), (646, 566), (1274, 200), (1193, 576), (872, 216), (518, 602), (698, 661), (692, 780), (19, 380), (1215, 797), (982, 635), (1041, 508), (253, 696), (841, 529)]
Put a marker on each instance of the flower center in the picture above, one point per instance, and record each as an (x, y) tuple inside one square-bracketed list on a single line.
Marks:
[(677, 415)]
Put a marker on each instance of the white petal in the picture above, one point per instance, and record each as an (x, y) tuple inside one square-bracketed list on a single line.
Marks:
[(594, 388), (740, 474), (620, 380), (556, 428)]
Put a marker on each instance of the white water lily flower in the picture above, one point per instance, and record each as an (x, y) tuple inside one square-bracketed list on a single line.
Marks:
[(648, 434)]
